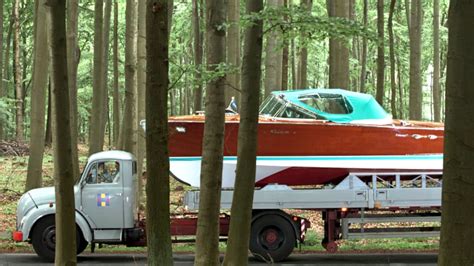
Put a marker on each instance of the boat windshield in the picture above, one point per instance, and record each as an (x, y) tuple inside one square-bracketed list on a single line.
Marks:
[(327, 103), (278, 106)]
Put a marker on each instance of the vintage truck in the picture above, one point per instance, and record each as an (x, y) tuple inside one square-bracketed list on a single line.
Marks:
[(107, 213)]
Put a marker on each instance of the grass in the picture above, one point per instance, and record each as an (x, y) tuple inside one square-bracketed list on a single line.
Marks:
[(12, 181)]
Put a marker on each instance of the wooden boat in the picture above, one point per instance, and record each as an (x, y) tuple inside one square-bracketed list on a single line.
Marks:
[(313, 137)]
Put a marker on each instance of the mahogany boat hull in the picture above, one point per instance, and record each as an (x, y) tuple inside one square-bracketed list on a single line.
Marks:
[(293, 137), (310, 152)]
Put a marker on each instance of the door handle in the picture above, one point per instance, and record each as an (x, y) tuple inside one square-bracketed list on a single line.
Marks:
[(118, 194)]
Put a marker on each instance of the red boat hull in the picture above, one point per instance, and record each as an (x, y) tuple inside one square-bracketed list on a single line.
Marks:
[(297, 137)]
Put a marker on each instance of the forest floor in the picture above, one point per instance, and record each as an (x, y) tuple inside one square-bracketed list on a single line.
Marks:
[(13, 171)]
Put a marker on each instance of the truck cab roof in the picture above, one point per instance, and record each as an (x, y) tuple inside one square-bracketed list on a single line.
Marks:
[(111, 155)]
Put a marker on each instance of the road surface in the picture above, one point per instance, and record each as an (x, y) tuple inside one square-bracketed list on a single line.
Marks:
[(186, 259)]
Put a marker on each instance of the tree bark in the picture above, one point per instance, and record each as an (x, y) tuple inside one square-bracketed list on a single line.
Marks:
[(273, 56), (129, 117), (116, 95), (2, 65), (457, 225), (18, 74), (48, 137), (303, 62), (207, 237), (158, 224), (416, 94), (363, 69), (393, 84), (436, 63), (380, 53), (141, 91), (73, 62), (239, 233), (95, 137), (233, 50), (285, 57), (198, 51), (38, 96), (64, 179), (105, 71), (338, 50)]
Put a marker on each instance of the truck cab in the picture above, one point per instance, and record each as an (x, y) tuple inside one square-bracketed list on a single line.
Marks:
[(105, 203)]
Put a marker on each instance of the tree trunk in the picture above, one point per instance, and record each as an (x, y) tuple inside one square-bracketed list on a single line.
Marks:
[(158, 224), (416, 94), (116, 96), (294, 81), (73, 62), (380, 53), (273, 56), (457, 225), (18, 75), (338, 50), (48, 137), (363, 58), (95, 139), (2, 65), (436, 63), (393, 84), (303, 62), (233, 50), (129, 118), (198, 50), (64, 179), (238, 242), (105, 71), (207, 237), (38, 96), (285, 57), (141, 91)]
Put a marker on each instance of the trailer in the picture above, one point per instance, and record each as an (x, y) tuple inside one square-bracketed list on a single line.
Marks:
[(107, 212)]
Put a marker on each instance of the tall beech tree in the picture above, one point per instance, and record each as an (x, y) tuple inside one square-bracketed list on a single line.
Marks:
[(129, 116), (207, 237), (380, 53), (338, 48), (363, 57), (73, 54), (18, 73), (158, 186), (95, 138), (233, 50), (63, 172), (116, 96), (393, 85), (457, 225), (416, 93), (303, 60), (239, 233), (436, 63), (273, 55), (2, 87), (198, 52), (38, 94)]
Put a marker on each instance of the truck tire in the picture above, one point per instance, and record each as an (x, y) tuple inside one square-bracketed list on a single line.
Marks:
[(272, 238), (43, 238)]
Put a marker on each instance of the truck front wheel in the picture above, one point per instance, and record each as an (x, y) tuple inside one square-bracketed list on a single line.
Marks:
[(272, 238), (43, 238)]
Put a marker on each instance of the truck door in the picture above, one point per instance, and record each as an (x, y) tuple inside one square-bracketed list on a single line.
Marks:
[(102, 194)]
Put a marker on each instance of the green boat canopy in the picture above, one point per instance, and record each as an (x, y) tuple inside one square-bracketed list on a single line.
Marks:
[(336, 105)]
